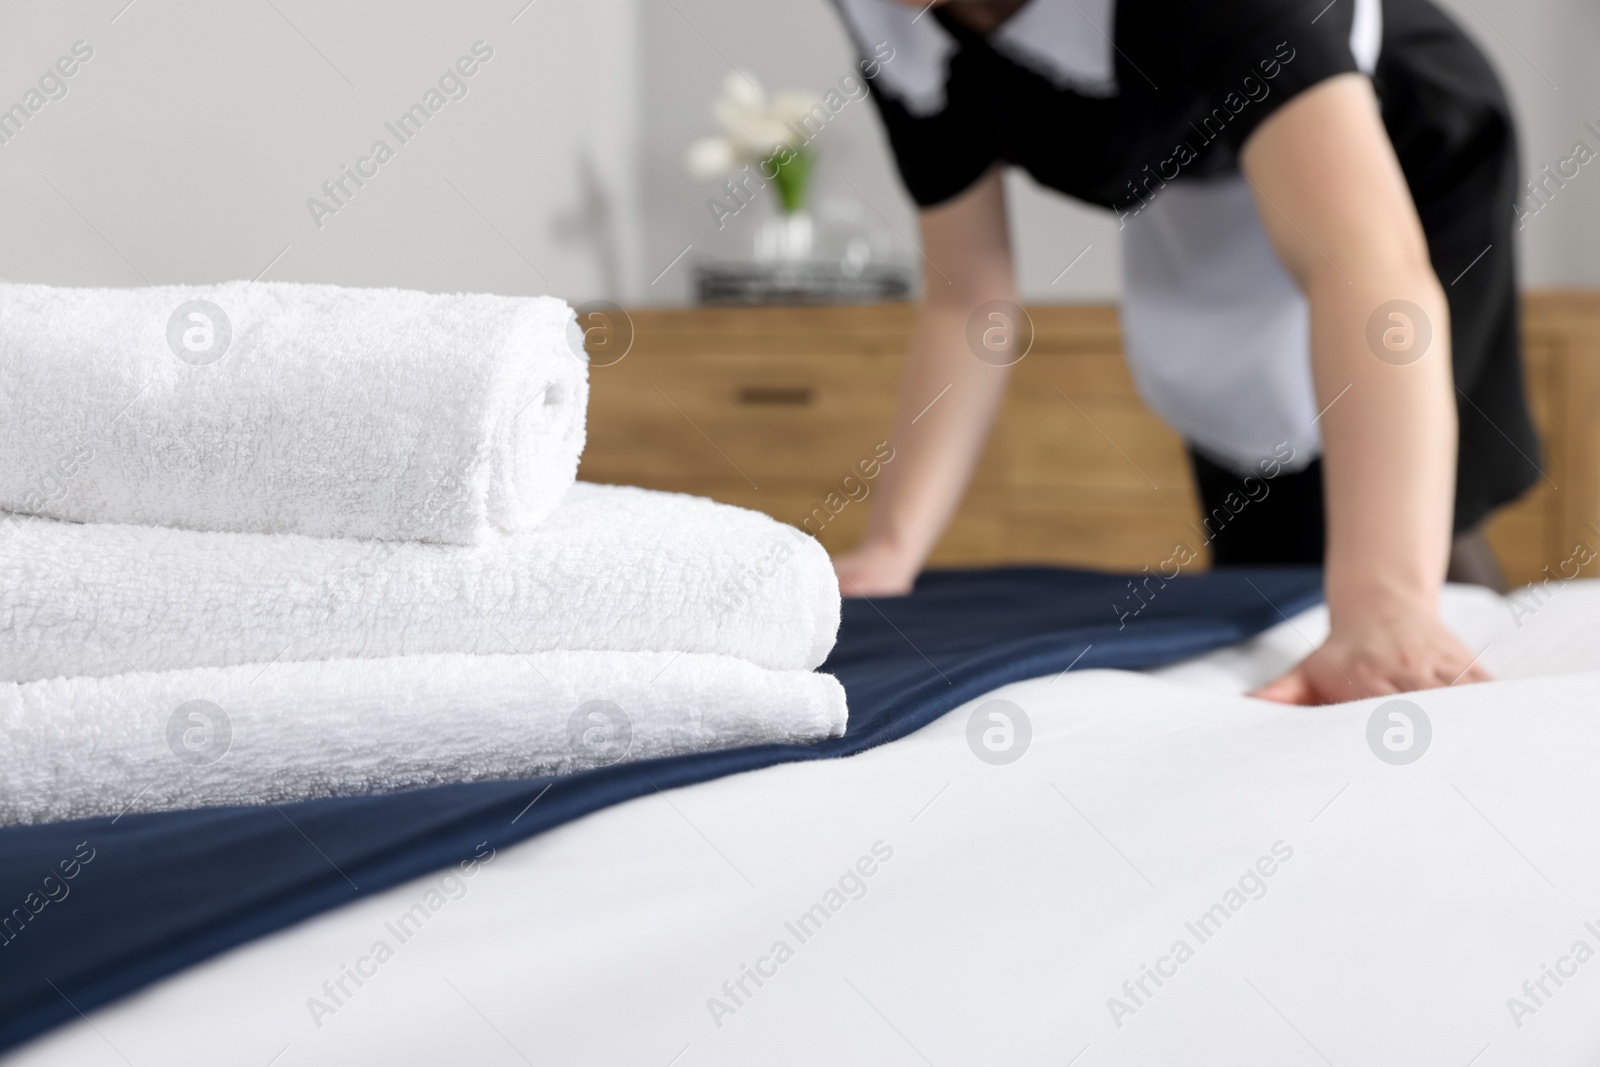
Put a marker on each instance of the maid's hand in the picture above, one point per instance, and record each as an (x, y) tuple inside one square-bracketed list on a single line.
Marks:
[(1378, 653)]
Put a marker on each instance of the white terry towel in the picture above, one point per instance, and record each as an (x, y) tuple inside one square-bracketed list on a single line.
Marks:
[(81, 747), (281, 408), (615, 568)]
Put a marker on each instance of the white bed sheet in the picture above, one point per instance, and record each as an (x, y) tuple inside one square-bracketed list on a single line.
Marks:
[(1017, 901)]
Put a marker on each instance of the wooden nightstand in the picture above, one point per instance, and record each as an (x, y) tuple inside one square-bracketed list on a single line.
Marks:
[(777, 408)]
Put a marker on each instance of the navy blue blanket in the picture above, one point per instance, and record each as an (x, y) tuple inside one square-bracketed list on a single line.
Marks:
[(96, 908)]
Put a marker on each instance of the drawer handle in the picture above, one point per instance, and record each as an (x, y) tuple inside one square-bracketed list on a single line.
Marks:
[(791, 395)]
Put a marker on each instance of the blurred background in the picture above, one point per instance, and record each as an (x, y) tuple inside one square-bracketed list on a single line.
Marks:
[(580, 149), (186, 148)]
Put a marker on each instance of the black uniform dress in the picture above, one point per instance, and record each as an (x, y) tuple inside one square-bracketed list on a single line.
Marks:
[(1190, 82)]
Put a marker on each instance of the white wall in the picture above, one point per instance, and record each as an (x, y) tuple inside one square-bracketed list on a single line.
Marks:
[(1544, 51), (187, 147)]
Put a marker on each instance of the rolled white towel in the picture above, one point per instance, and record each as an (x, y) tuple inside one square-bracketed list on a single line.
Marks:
[(279, 408), (613, 569), (75, 748)]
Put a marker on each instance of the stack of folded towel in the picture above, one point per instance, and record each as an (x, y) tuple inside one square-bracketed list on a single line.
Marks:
[(267, 542)]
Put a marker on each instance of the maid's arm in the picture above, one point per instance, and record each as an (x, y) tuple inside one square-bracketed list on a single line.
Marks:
[(948, 396), (1336, 207)]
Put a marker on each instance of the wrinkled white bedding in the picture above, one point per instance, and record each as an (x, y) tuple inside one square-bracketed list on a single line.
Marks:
[(1006, 906)]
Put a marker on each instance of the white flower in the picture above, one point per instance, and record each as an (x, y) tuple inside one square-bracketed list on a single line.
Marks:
[(710, 157), (753, 128), (792, 106), (757, 136), (741, 90)]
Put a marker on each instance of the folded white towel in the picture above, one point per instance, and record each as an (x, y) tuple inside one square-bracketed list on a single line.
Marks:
[(281, 408), (82, 747), (614, 568)]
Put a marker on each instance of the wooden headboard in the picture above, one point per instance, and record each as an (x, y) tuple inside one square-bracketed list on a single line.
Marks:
[(781, 410)]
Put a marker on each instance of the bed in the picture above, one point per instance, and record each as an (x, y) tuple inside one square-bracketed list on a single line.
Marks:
[(1336, 906), (1077, 866)]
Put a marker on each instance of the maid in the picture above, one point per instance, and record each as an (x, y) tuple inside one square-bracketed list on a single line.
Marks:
[(1316, 202)]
